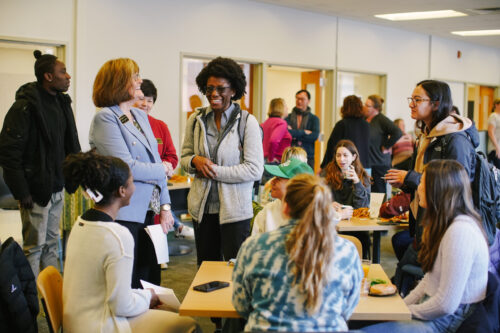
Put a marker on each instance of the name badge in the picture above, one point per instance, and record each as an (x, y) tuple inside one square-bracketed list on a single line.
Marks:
[(159, 141), (123, 119)]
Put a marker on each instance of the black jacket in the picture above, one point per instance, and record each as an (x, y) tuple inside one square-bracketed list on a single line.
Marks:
[(486, 316), (458, 146), (355, 129), (25, 145), (18, 294)]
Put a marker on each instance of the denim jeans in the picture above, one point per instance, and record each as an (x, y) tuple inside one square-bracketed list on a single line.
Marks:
[(446, 324)]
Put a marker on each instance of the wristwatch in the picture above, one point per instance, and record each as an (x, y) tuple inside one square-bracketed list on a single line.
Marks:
[(165, 207)]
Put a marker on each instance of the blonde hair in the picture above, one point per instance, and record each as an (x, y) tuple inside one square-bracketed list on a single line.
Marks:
[(310, 244), (294, 152), (113, 81), (277, 107)]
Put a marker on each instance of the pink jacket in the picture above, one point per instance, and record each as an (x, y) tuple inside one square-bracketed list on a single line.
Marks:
[(276, 138)]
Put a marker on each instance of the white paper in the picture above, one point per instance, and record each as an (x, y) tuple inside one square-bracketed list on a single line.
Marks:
[(159, 239), (166, 295), (376, 200)]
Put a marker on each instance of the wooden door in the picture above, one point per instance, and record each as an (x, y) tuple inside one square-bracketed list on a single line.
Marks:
[(312, 82), (486, 97)]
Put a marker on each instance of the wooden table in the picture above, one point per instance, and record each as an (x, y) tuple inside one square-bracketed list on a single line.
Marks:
[(218, 303), (368, 224)]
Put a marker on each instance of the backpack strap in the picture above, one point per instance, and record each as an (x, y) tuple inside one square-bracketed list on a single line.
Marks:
[(242, 123)]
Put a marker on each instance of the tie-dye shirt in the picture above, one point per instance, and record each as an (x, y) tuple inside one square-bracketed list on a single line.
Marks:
[(263, 292)]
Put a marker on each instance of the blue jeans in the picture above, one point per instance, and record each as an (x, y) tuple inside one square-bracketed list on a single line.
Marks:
[(446, 324)]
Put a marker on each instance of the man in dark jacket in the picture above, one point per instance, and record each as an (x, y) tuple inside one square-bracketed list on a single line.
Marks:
[(39, 131), (303, 125)]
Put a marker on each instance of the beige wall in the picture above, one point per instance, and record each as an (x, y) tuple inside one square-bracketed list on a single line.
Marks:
[(156, 33), (284, 84)]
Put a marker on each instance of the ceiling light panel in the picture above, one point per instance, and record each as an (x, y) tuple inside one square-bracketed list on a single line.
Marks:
[(421, 15)]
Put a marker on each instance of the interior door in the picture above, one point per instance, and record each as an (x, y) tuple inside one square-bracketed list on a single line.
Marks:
[(312, 82), (486, 97)]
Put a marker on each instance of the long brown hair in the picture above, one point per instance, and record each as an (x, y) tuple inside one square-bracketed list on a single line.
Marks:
[(310, 244), (447, 194), (334, 176)]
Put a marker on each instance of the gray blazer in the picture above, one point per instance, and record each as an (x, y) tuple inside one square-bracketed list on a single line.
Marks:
[(114, 137), (237, 167)]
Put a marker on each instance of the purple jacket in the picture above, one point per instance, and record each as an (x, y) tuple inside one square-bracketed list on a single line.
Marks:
[(276, 138)]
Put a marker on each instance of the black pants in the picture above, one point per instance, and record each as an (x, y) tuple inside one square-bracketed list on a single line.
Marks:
[(492, 157), (379, 171), (217, 242), (145, 263)]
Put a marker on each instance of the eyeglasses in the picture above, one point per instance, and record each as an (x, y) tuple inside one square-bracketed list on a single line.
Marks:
[(417, 100), (220, 89)]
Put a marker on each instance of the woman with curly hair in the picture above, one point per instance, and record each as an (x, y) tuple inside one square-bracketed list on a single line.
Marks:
[(223, 148), (300, 277), (97, 296), (352, 127)]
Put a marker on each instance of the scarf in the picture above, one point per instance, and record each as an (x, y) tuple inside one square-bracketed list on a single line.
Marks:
[(305, 118), (451, 124)]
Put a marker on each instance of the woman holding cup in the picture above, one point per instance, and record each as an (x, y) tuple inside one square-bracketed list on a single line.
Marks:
[(350, 184), (348, 180)]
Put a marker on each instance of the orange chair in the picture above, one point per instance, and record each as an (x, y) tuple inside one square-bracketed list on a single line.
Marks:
[(356, 243), (50, 283)]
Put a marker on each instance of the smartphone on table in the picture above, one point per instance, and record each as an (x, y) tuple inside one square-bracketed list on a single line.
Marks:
[(211, 286)]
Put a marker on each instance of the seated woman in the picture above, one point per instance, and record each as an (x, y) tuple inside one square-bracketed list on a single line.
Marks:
[(271, 216), (348, 180), (288, 153), (300, 277), (350, 184), (97, 296), (453, 254)]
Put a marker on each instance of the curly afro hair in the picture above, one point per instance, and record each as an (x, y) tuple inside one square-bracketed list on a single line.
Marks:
[(223, 68)]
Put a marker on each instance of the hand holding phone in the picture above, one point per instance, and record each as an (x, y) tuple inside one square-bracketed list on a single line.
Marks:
[(211, 286)]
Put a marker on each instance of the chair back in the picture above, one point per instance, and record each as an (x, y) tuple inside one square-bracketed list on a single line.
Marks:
[(356, 243), (50, 283)]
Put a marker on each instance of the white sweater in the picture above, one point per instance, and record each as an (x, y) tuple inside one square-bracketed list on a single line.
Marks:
[(459, 275), (269, 218), (97, 296)]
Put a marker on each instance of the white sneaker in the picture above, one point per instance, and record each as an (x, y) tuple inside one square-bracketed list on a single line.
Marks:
[(184, 232)]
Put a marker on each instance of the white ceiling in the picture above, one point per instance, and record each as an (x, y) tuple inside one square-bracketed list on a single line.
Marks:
[(364, 10)]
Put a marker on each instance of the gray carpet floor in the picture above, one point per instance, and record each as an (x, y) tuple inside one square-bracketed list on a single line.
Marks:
[(182, 269)]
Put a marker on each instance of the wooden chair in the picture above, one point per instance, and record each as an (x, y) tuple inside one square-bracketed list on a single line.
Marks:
[(50, 283), (356, 243)]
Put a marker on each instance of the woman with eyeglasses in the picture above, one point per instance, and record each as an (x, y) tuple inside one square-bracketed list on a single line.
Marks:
[(223, 148), (443, 136), (120, 130)]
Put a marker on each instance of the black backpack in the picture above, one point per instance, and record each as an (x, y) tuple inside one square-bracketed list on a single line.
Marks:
[(485, 191), (486, 194)]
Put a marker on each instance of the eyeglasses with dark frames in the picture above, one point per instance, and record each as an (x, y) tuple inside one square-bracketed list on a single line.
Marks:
[(220, 89)]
